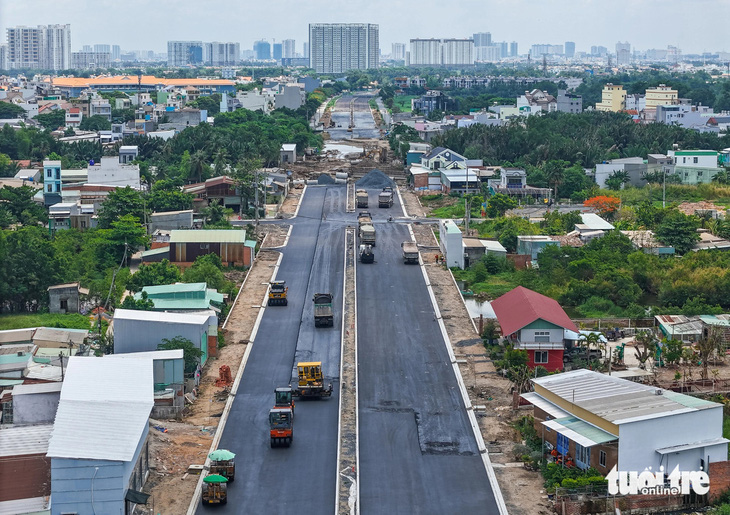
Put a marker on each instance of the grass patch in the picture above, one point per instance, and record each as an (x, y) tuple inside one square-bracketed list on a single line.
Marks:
[(69, 321), (403, 102)]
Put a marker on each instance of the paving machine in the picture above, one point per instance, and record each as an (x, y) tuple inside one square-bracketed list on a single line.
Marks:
[(283, 398), (281, 426), (277, 293), (311, 381)]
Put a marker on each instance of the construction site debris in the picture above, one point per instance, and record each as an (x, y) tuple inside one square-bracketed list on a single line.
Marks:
[(224, 376), (325, 179), (375, 179)]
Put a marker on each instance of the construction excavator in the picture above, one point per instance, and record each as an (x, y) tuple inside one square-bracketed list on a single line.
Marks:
[(311, 381), (277, 293)]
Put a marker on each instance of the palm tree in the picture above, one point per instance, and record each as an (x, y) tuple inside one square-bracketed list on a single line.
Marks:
[(197, 165), (216, 212)]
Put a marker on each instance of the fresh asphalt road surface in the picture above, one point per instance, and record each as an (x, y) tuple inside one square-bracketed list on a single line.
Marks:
[(364, 121), (418, 453), (299, 479)]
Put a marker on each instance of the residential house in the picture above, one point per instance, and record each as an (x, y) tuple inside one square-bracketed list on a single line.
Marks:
[(679, 327), (432, 101), (592, 226), (65, 298), (569, 102), (459, 180), (694, 166), (26, 484), (51, 182), (291, 96), (219, 189), (600, 421), (613, 98), (475, 249), (532, 245), (513, 182), (635, 167), (14, 359), (73, 117), (709, 241), (645, 240), (451, 244), (169, 220), (229, 245), (142, 331), (443, 158), (101, 107), (182, 297), (288, 153), (538, 98), (31, 175), (168, 378), (98, 447), (534, 323), (35, 403)]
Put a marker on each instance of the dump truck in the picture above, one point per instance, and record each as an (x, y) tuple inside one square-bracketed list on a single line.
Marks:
[(385, 197), (311, 381), (277, 293), (361, 196), (366, 254), (410, 252), (364, 217), (323, 310), (281, 426), (367, 235)]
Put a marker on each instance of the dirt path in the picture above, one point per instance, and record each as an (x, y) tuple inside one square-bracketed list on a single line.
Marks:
[(289, 207), (188, 442), (412, 205), (488, 391)]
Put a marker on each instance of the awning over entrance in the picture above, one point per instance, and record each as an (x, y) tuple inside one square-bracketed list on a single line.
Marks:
[(579, 431), (545, 405)]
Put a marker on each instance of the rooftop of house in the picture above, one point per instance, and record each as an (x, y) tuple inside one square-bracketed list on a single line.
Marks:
[(207, 236), (29, 389), (617, 400), (104, 409), (24, 440), (520, 307), (60, 335), (289, 147), (593, 222), (200, 318)]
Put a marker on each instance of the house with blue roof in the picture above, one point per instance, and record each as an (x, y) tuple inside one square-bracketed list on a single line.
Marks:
[(181, 297)]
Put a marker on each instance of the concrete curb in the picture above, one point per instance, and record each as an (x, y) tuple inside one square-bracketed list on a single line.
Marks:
[(234, 390), (299, 204), (402, 205), (464, 394)]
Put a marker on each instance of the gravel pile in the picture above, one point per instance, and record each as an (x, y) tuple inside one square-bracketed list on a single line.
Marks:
[(325, 179), (375, 179)]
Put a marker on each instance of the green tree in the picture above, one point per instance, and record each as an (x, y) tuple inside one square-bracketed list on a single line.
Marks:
[(216, 214), (120, 202), (143, 304), (154, 274), (95, 123), (167, 195), (191, 353), (679, 231), (53, 119), (617, 180), (555, 173), (207, 269), (499, 203), (126, 232), (9, 110)]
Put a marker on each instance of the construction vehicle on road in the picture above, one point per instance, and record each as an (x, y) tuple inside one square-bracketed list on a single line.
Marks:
[(410, 252), (215, 490), (283, 398), (281, 426), (221, 463), (364, 217), (367, 235), (361, 196), (323, 316), (385, 197), (366, 254), (311, 381), (277, 293)]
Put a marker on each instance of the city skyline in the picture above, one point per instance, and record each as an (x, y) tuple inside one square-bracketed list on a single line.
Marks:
[(505, 20)]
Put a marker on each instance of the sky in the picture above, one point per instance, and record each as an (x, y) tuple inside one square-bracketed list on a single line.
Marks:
[(149, 24)]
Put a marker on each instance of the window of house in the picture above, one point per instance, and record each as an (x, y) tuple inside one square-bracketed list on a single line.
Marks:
[(582, 456), (602, 458), (48, 187), (684, 160), (64, 304), (541, 356), (699, 173), (49, 173), (563, 444), (205, 245), (542, 336), (696, 160)]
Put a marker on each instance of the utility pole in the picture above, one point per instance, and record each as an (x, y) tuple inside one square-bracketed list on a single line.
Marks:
[(256, 196)]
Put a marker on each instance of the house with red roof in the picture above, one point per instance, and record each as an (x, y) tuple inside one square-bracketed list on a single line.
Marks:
[(534, 323)]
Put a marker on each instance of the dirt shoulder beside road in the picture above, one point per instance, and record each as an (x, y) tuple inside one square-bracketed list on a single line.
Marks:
[(522, 489), (187, 442)]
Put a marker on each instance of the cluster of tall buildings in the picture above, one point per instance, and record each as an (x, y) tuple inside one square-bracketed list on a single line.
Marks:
[(441, 52), (46, 47), (186, 53), (487, 51)]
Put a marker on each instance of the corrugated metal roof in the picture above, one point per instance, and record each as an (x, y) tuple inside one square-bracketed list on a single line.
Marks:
[(43, 371), (207, 236), (153, 354), (104, 409), (520, 307), (27, 389), (695, 445), (31, 505), (17, 335), (162, 317), (175, 288), (23, 440), (155, 252), (617, 400), (53, 334), (547, 406)]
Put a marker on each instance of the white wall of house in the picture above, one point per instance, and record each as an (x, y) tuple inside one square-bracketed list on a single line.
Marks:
[(639, 440), (542, 335)]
